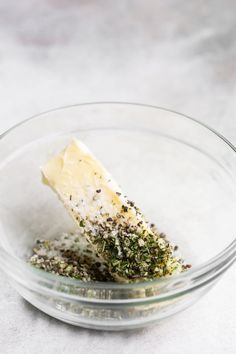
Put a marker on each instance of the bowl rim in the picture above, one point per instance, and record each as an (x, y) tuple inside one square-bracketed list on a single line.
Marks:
[(200, 274)]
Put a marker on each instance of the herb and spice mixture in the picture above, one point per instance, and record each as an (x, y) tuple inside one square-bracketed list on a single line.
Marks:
[(70, 255), (122, 245)]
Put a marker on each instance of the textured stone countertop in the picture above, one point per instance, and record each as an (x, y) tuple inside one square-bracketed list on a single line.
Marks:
[(176, 54)]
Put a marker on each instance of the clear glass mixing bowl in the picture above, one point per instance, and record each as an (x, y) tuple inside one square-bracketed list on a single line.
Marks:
[(181, 173)]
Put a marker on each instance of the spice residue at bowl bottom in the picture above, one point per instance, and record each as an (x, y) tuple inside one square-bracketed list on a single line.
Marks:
[(71, 255)]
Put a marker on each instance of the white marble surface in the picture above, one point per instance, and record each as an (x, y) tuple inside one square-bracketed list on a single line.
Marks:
[(176, 54)]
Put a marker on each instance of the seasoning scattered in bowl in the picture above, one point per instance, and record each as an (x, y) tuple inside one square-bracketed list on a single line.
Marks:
[(69, 255)]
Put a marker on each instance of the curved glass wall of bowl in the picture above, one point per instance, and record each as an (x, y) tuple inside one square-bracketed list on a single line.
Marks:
[(180, 173)]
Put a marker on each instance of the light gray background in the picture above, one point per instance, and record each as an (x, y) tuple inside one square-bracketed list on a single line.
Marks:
[(176, 54)]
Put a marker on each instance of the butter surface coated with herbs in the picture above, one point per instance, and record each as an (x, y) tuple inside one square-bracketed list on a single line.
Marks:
[(113, 225)]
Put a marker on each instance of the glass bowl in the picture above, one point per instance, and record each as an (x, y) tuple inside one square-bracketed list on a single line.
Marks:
[(181, 173)]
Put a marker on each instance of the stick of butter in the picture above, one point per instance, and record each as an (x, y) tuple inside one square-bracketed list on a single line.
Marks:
[(111, 223)]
